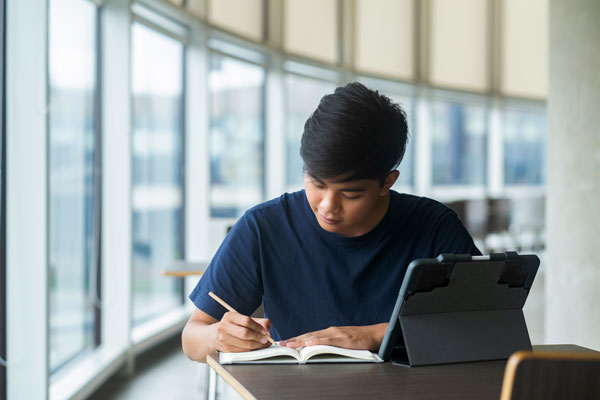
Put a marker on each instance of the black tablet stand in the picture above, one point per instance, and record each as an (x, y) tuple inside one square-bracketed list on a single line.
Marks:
[(459, 308)]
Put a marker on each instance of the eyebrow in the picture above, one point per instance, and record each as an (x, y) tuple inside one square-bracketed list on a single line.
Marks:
[(346, 189), (353, 189)]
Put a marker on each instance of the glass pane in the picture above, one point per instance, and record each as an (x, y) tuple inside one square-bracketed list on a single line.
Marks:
[(72, 153), (237, 135), (459, 144), (524, 148), (303, 96), (157, 163)]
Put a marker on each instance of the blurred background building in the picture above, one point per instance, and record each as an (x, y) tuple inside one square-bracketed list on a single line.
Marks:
[(135, 132)]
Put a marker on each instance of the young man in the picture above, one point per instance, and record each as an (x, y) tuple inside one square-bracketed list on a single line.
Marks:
[(326, 262)]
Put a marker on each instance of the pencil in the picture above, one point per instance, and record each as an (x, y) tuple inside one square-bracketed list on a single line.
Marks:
[(227, 306)]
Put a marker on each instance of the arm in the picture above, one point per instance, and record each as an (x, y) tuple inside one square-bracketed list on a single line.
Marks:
[(368, 337), (235, 275), (235, 332)]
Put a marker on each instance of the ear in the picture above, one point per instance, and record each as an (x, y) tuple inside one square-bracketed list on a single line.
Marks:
[(389, 182)]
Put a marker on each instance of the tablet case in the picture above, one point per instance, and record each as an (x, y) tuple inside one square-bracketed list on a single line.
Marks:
[(459, 308)]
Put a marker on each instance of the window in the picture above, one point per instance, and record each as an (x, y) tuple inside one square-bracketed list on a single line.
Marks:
[(459, 143), (73, 183), (303, 96), (237, 135), (157, 164), (524, 147)]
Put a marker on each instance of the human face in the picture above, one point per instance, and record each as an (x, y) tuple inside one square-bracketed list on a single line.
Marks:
[(351, 208)]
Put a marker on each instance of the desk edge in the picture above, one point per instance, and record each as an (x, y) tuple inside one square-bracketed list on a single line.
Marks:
[(223, 373)]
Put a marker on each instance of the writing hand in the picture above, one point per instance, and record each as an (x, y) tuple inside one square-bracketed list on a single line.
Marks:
[(366, 337), (236, 333)]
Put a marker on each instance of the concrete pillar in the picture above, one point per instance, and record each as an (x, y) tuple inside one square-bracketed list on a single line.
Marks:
[(573, 171)]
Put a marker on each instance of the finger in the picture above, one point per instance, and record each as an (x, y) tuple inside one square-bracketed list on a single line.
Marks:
[(231, 334), (245, 321), (325, 340), (332, 337), (227, 327), (306, 336), (286, 342), (247, 334), (329, 336), (245, 345), (296, 342), (264, 322)]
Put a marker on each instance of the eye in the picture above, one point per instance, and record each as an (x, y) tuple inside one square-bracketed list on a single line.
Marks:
[(351, 197), (318, 185)]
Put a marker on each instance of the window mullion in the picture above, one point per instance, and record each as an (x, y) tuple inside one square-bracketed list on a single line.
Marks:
[(27, 206)]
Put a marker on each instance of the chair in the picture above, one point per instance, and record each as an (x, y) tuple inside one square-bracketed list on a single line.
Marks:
[(487, 220), (539, 375)]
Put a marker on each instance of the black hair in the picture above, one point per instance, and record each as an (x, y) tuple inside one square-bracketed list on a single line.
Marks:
[(355, 133)]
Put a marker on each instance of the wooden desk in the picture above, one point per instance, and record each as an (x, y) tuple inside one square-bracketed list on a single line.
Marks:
[(478, 380), (181, 269)]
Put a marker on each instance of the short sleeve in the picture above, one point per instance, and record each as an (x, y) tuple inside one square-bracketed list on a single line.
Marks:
[(234, 273)]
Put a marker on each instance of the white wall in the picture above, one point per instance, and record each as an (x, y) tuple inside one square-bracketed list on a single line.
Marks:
[(572, 219)]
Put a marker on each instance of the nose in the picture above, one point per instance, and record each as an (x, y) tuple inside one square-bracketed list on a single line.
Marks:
[(330, 204)]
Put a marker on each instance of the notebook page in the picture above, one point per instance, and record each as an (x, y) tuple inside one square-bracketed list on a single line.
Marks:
[(261, 354), (311, 351)]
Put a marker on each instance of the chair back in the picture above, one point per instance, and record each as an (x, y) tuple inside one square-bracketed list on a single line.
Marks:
[(484, 216), (539, 375)]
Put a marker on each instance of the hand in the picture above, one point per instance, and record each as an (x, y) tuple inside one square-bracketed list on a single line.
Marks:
[(236, 333), (367, 337)]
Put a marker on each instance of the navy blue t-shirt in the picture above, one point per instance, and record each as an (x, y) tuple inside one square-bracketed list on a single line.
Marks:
[(310, 279)]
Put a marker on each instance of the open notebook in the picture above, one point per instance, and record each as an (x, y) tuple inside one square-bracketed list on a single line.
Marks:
[(286, 355)]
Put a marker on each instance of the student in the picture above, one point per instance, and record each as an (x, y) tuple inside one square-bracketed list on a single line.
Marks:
[(326, 262)]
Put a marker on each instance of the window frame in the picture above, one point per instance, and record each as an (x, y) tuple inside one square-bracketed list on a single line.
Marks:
[(26, 188), (3, 367), (98, 185)]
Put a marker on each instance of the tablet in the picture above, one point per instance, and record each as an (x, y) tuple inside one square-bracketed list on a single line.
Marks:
[(458, 308)]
